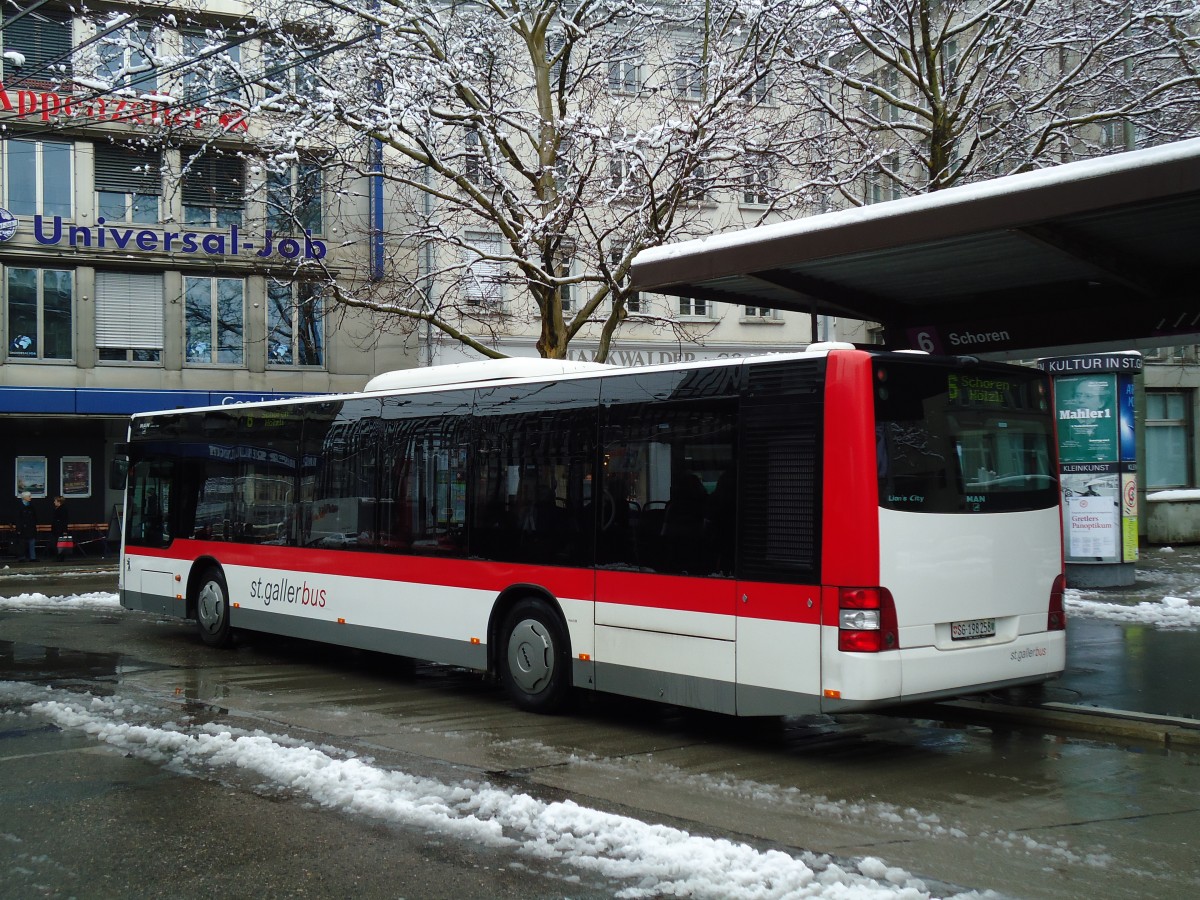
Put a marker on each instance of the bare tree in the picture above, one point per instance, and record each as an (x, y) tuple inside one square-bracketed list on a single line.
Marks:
[(930, 93), (535, 146)]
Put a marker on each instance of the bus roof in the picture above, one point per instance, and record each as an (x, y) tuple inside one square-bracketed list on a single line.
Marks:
[(488, 373)]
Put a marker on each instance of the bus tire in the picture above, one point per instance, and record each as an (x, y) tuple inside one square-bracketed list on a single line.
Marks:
[(212, 609), (535, 663)]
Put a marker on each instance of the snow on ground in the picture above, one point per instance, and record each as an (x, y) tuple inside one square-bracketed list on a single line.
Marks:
[(1169, 612), (93, 600), (657, 860), (653, 860)]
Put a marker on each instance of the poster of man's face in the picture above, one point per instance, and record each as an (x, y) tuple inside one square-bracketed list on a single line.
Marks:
[(1092, 393)]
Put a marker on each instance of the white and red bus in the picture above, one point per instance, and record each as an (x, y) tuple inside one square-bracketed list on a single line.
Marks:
[(821, 531)]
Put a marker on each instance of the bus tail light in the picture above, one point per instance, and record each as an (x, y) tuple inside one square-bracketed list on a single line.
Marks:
[(867, 620), (1056, 619)]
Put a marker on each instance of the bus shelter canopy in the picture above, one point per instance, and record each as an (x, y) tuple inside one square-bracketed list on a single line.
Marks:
[(1093, 255)]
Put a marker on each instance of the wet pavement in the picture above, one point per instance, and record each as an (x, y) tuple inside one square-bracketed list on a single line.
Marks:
[(1139, 667), (1142, 668), (1026, 810)]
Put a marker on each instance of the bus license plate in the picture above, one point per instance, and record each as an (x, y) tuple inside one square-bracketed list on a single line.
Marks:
[(972, 630)]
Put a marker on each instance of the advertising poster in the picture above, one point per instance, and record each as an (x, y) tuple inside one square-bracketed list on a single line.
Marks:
[(1092, 527), (75, 473), (31, 475), (1129, 517), (1087, 418)]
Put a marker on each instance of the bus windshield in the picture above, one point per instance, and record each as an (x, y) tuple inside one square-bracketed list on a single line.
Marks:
[(962, 440)]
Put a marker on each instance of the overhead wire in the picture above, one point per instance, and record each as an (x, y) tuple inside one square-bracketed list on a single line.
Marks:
[(22, 13)]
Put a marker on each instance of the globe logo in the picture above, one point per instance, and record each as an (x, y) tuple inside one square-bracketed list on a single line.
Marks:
[(8, 224)]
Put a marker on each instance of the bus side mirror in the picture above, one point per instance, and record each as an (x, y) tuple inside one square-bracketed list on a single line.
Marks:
[(118, 470)]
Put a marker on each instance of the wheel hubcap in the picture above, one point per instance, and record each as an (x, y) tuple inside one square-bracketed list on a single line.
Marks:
[(210, 607), (530, 656)]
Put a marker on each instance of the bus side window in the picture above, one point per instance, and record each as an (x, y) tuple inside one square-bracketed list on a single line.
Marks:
[(534, 475), (666, 460)]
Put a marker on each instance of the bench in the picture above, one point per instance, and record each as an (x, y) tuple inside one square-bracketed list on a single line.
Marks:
[(91, 538)]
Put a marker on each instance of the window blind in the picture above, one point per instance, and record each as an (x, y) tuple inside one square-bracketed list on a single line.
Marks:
[(129, 311), (128, 171), (212, 180), (45, 42)]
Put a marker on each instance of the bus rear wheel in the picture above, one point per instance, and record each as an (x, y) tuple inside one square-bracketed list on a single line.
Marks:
[(535, 663), (212, 609)]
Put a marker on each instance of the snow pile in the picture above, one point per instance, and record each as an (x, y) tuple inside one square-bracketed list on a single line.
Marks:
[(653, 860), (1170, 612), (94, 600)]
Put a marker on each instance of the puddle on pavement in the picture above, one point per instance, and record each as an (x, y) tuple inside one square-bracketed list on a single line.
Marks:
[(21, 661)]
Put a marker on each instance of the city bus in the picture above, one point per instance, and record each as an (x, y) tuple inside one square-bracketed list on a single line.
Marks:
[(822, 531)]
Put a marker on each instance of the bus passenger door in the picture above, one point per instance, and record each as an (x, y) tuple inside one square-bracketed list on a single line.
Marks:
[(665, 595), (666, 637)]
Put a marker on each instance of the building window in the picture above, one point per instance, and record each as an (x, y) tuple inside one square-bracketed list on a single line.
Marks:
[(214, 311), (291, 67), (128, 184), (620, 172), (294, 324), (1168, 439), (39, 177), (472, 156), (761, 92), (39, 314), (884, 184), (556, 51), (126, 59), (760, 312), (294, 199), (566, 289), (37, 51), (757, 185), (689, 75), (214, 189), (483, 282), (213, 73), (698, 186), (633, 299), (694, 306), (879, 108), (129, 317), (625, 76)]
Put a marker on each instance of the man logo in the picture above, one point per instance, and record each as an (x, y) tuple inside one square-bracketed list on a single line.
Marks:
[(8, 225)]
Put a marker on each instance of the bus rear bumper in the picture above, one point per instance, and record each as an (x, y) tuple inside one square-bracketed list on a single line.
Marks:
[(866, 680)]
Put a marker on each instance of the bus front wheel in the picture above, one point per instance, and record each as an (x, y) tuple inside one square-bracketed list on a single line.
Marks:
[(212, 609), (535, 666)]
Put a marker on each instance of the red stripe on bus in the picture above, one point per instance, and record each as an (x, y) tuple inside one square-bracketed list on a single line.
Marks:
[(702, 595), (454, 573), (780, 602), (718, 596)]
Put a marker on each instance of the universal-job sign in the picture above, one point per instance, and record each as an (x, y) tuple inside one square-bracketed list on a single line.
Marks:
[(209, 243)]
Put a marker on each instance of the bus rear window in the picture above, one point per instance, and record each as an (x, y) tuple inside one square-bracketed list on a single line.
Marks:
[(963, 440)]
